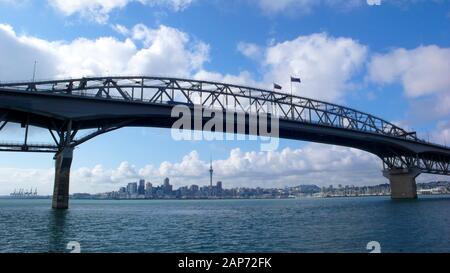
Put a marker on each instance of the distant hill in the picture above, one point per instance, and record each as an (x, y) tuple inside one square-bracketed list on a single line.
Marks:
[(307, 189)]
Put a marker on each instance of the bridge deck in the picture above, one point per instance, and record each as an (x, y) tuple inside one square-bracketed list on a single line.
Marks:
[(109, 103)]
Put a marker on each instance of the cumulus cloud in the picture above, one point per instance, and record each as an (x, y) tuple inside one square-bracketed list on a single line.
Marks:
[(16, 178), (275, 165), (19, 53), (429, 109), (121, 29), (325, 64), (99, 10), (423, 72), (249, 50), (442, 133), (313, 164), (159, 51)]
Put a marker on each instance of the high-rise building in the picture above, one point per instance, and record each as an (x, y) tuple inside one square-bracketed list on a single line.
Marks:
[(167, 188), (148, 189), (193, 188), (132, 188), (141, 188)]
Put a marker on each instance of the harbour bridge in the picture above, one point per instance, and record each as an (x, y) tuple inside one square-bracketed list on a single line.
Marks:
[(77, 110)]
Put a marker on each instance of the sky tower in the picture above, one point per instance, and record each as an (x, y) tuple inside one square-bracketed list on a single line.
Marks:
[(210, 175)]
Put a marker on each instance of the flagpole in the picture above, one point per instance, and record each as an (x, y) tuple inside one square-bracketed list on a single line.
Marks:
[(292, 103), (273, 90), (34, 70)]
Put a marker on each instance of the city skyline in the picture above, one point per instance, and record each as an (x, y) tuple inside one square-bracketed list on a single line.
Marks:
[(166, 191), (147, 190)]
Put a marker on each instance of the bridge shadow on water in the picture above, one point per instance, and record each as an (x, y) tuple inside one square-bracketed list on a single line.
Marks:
[(57, 230)]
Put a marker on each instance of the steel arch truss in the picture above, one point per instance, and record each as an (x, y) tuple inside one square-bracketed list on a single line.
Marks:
[(228, 97), (217, 95)]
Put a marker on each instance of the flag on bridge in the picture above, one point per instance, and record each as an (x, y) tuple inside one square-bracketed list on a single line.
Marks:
[(277, 86), (293, 79)]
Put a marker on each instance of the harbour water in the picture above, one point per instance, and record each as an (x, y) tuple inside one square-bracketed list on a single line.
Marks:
[(293, 225)]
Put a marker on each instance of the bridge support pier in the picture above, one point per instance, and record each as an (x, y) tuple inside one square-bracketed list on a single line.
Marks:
[(403, 183), (63, 161)]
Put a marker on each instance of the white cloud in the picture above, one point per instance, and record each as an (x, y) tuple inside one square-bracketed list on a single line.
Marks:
[(314, 164), (442, 133), (373, 2), (19, 53), (276, 165), (163, 50), (16, 178), (121, 29), (325, 64), (421, 71), (424, 110), (167, 51), (249, 50), (98, 10), (318, 164)]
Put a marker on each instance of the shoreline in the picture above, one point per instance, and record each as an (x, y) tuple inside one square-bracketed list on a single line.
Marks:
[(5, 197)]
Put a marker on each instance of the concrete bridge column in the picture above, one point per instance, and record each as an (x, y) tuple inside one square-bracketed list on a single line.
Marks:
[(63, 161), (403, 183)]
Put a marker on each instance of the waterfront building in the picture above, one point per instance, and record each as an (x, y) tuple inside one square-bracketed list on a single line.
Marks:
[(219, 189), (132, 189), (167, 188), (141, 187), (148, 190), (122, 193)]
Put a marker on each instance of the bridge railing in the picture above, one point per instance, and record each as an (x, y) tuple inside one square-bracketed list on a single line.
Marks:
[(217, 95)]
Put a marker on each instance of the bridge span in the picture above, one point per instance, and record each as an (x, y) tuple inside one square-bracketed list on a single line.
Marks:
[(97, 105)]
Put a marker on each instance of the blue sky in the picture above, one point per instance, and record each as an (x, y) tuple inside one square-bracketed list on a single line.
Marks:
[(391, 60)]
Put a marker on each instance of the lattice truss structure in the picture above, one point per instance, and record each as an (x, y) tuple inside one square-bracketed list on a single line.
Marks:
[(228, 97), (434, 164)]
